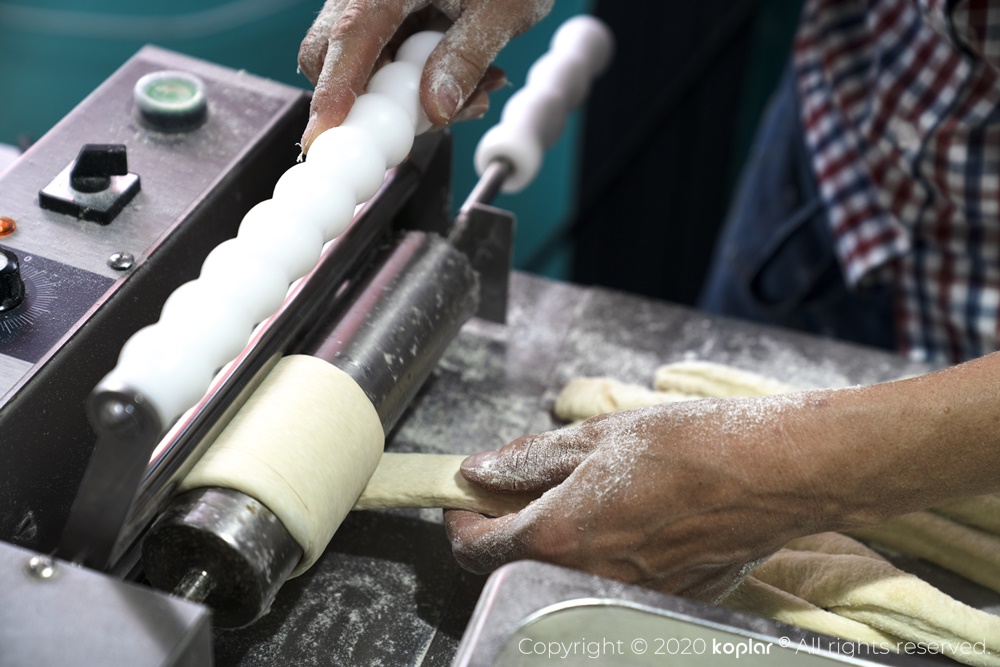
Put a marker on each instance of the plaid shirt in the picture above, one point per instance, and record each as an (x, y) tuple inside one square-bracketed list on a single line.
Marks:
[(901, 107)]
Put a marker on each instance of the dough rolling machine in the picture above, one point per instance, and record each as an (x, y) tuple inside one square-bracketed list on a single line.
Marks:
[(109, 239), (142, 189)]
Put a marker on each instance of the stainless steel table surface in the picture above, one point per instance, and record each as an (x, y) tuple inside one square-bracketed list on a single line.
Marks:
[(388, 591)]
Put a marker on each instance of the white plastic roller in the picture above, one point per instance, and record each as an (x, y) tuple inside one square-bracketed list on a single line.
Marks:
[(534, 117), (206, 322)]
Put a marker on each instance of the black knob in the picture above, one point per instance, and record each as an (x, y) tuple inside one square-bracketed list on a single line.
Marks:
[(11, 285)]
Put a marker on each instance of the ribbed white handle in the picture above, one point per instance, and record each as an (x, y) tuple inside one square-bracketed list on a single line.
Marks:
[(205, 323), (533, 117)]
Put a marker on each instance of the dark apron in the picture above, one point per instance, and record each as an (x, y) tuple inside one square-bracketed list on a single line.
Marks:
[(774, 261)]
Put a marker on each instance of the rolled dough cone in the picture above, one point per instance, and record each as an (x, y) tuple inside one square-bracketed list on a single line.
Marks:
[(304, 444), (704, 378), (583, 398), (981, 512), (755, 597), (432, 480), (874, 592), (970, 552)]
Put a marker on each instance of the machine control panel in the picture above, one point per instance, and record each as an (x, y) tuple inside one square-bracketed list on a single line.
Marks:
[(52, 298), (89, 256), (77, 198)]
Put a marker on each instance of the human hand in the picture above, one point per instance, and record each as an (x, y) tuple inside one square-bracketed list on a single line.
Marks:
[(687, 497), (683, 498), (350, 38)]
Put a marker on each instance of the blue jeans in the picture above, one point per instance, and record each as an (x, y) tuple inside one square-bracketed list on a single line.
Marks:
[(774, 261)]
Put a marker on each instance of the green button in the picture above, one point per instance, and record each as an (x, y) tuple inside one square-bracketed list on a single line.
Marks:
[(171, 101), (175, 92)]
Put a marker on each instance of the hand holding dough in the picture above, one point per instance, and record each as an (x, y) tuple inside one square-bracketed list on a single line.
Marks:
[(308, 453), (831, 583)]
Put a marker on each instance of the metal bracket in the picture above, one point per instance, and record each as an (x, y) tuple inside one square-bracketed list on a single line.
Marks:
[(486, 235), (57, 614), (128, 430)]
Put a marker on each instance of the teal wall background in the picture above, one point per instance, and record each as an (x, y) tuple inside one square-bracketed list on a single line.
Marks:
[(54, 52)]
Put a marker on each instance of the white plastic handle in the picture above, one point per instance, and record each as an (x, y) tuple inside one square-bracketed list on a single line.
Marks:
[(533, 118), (206, 322)]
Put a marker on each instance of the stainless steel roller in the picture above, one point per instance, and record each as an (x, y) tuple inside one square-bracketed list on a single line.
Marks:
[(224, 548)]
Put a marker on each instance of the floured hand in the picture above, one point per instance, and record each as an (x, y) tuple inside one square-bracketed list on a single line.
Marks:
[(686, 497), (683, 498), (351, 37)]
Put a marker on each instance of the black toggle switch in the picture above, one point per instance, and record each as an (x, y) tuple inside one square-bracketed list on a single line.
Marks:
[(96, 186), (96, 164)]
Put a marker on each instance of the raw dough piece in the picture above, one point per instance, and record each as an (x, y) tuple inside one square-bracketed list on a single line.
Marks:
[(755, 597), (970, 552), (704, 378), (586, 397), (874, 592), (304, 444), (981, 512), (583, 398), (833, 543), (432, 480)]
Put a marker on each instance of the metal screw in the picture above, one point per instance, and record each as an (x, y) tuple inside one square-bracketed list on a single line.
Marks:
[(120, 261), (41, 567)]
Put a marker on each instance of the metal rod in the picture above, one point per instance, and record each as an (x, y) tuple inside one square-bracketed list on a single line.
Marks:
[(486, 235), (221, 547), (196, 586), (488, 185)]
